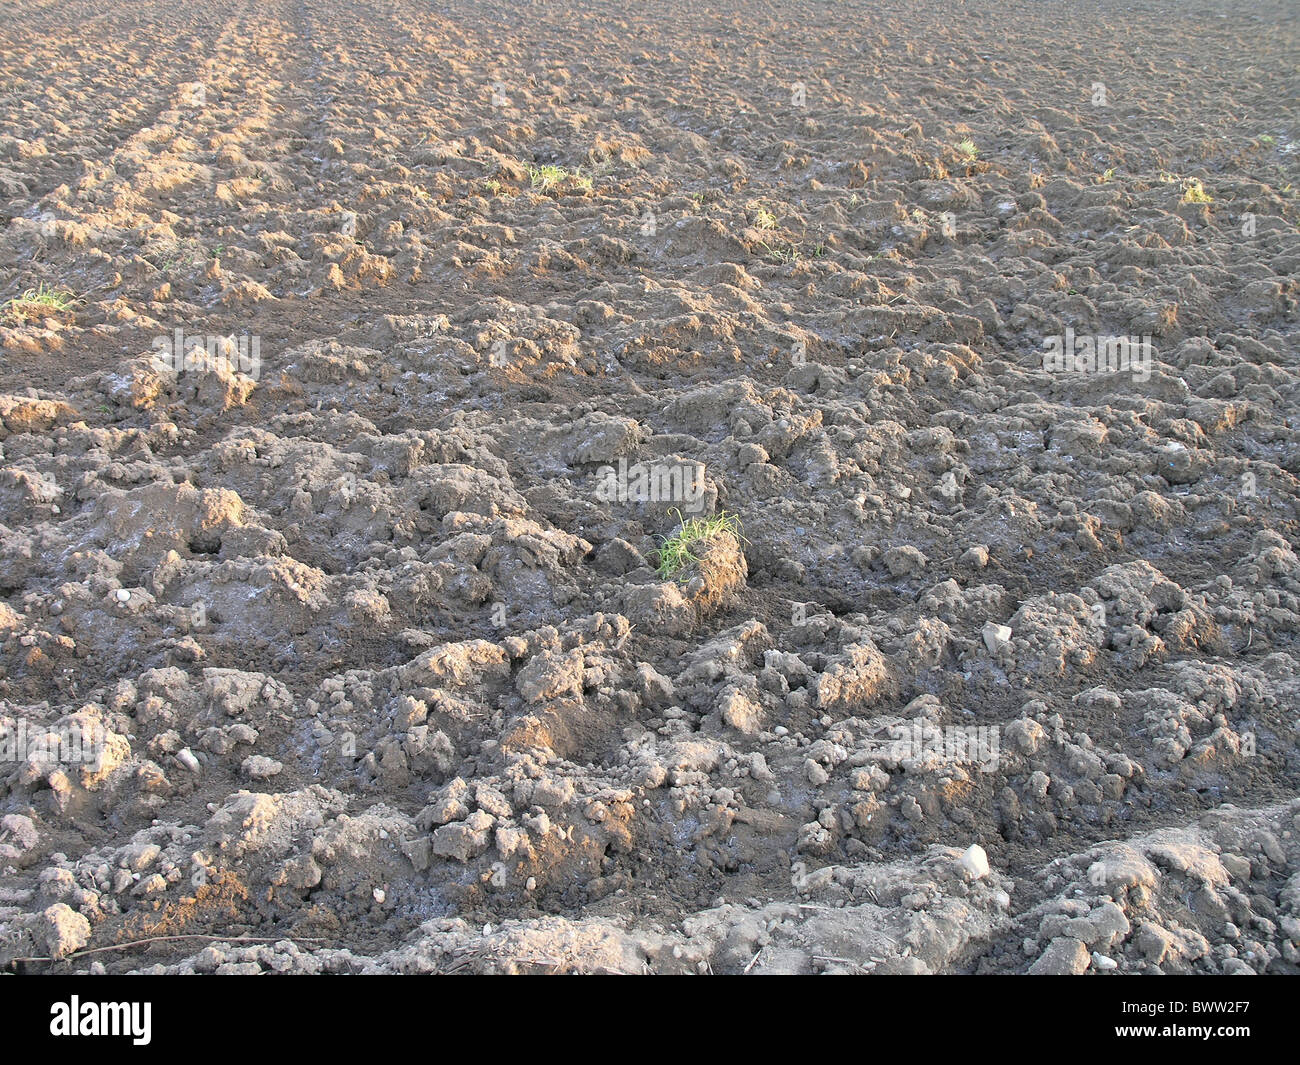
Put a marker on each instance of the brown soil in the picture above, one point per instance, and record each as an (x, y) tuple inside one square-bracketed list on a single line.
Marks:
[(378, 668)]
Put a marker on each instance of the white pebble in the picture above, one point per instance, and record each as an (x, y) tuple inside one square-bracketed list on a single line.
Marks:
[(975, 862), (122, 595), (996, 636)]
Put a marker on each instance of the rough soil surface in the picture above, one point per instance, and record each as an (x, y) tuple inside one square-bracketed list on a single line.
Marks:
[(376, 672)]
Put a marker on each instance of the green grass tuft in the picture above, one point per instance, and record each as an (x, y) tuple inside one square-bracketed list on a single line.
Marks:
[(550, 177), (39, 302), (1194, 192), (675, 552)]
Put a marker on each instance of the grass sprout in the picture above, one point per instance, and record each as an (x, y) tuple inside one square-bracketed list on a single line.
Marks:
[(676, 552), (1194, 192), (39, 302), (550, 177)]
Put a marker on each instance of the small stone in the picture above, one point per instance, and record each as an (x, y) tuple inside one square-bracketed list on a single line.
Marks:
[(1063, 957), (975, 861), (741, 712), (64, 930), (150, 885), (122, 595), (904, 561), (996, 636), (259, 767)]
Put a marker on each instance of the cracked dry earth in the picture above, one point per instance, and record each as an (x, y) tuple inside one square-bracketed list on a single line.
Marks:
[(376, 672)]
